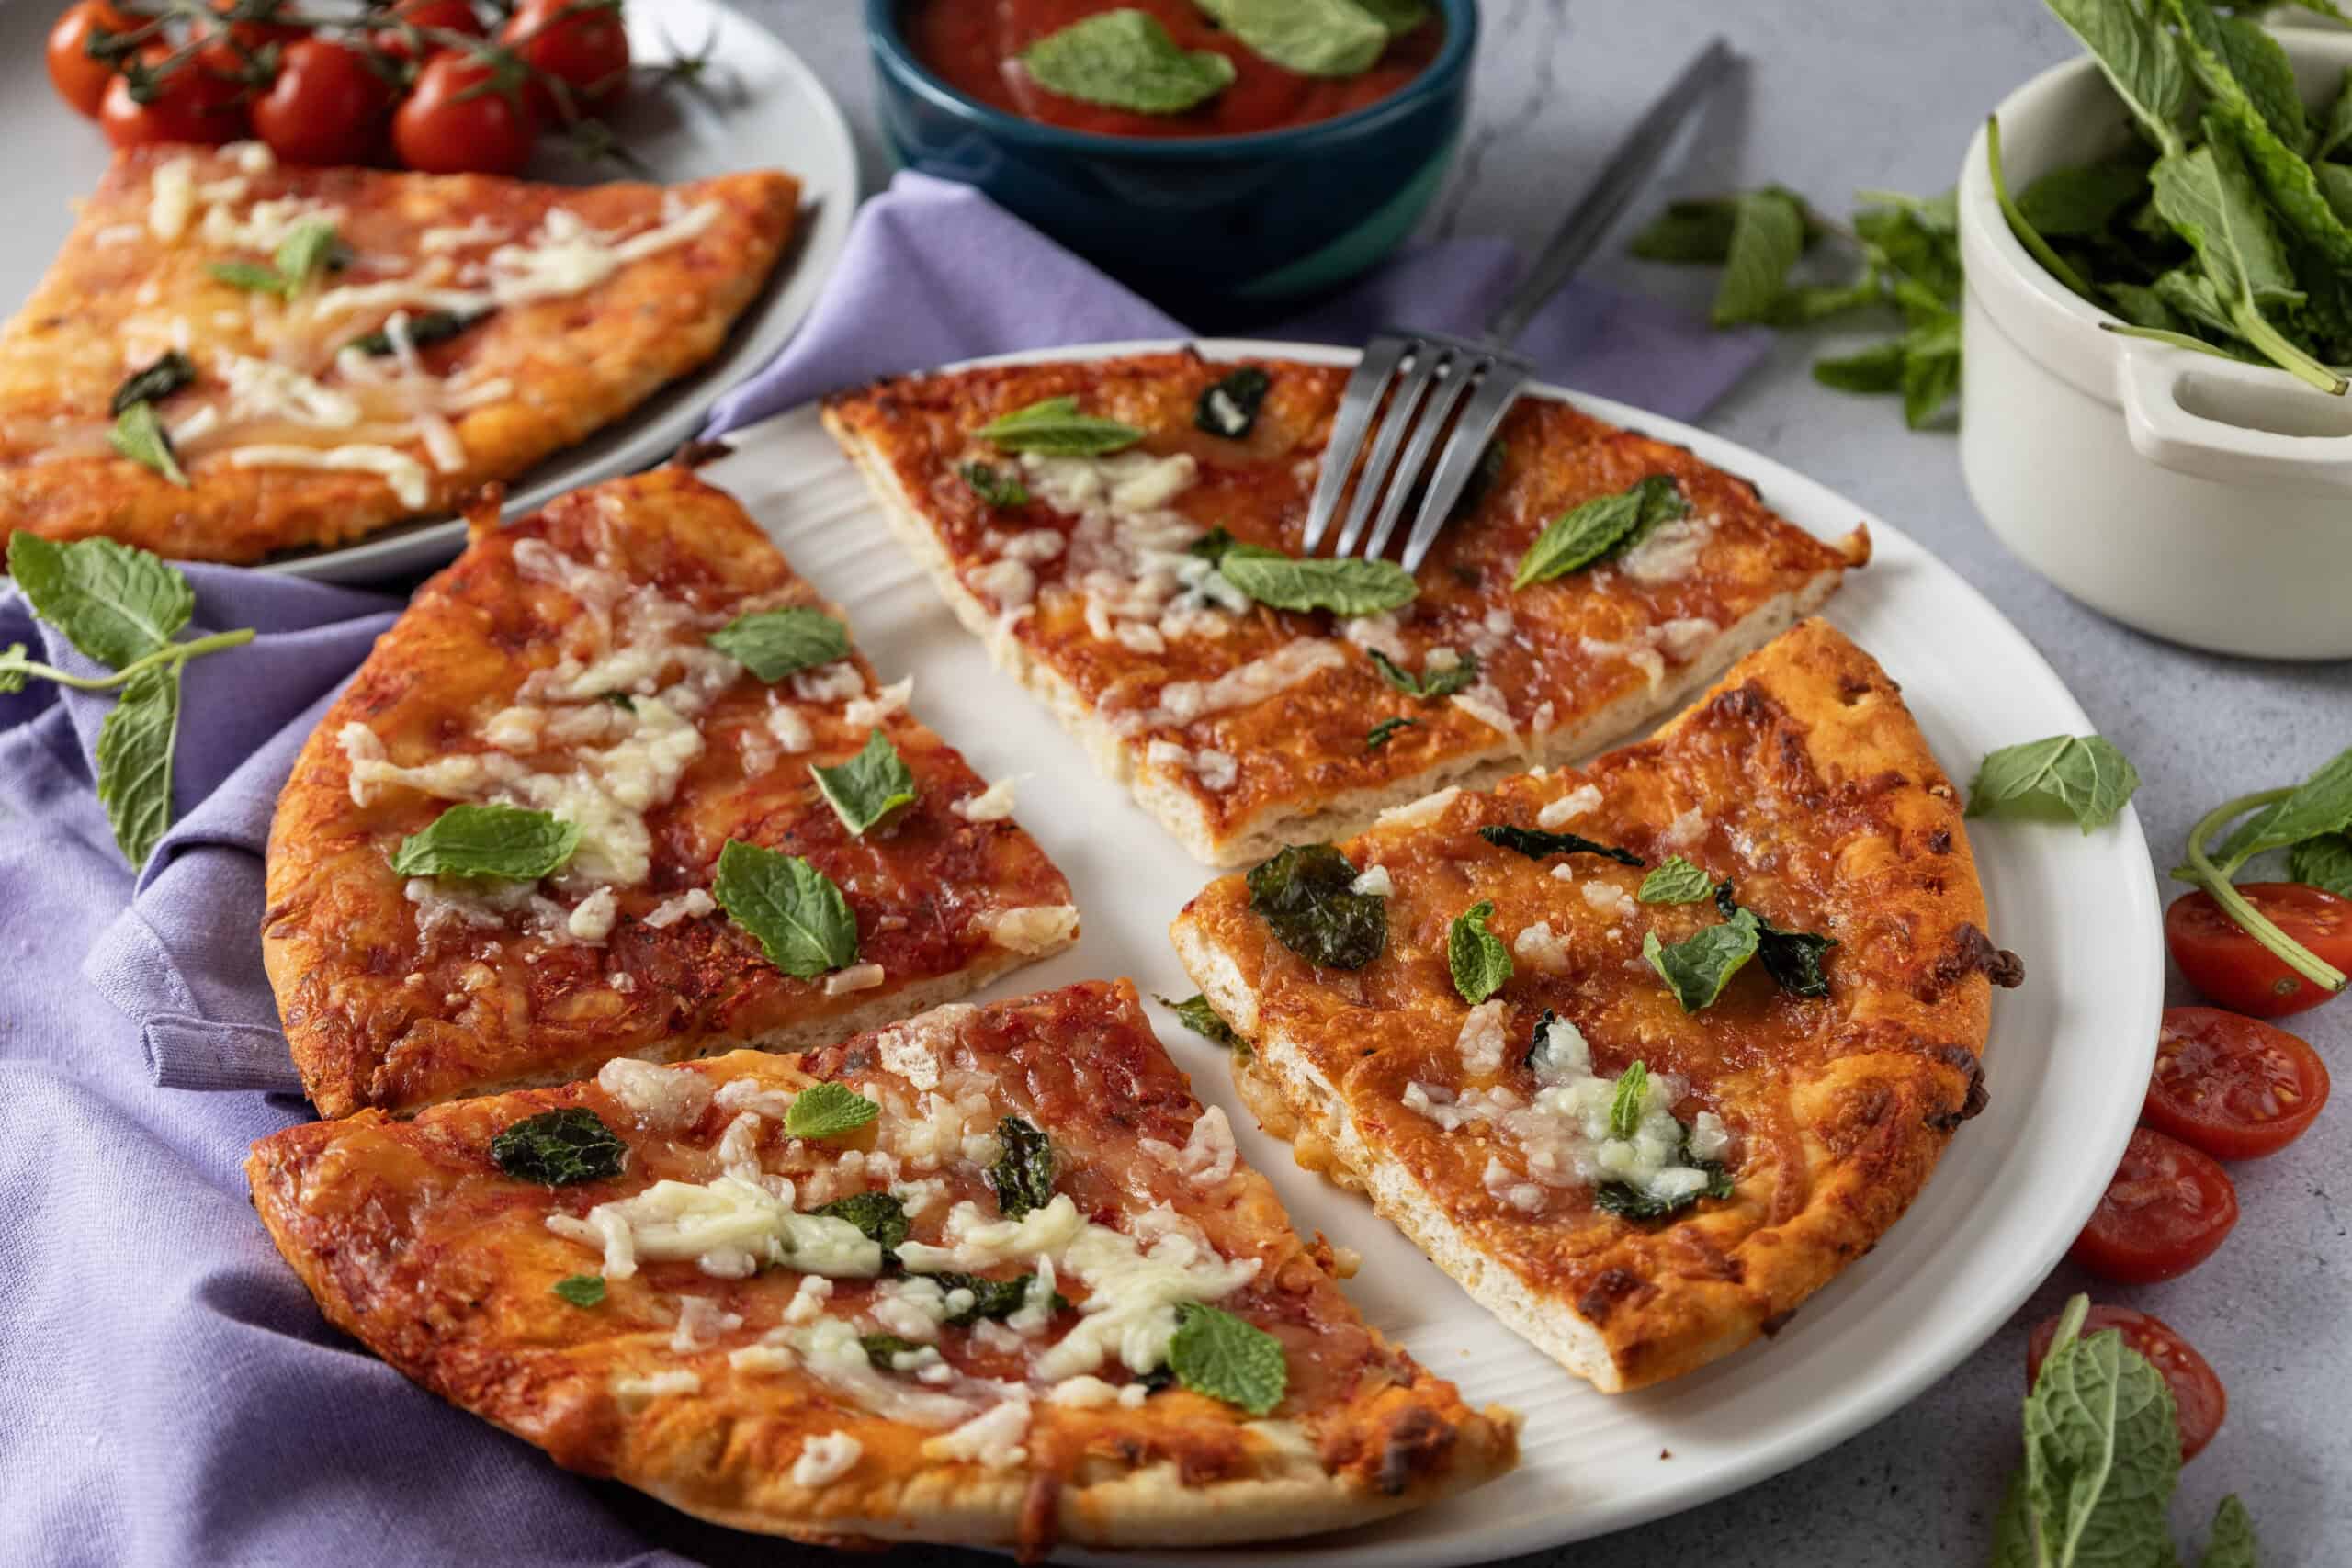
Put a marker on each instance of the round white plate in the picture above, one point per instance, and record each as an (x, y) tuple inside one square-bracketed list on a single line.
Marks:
[(757, 104), (2068, 1054)]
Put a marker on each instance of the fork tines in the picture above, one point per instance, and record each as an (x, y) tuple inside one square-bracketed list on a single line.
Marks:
[(1417, 385)]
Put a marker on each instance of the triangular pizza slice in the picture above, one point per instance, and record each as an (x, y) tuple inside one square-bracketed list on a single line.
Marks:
[(1122, 534), (230, 357), (991, 1277), (1642, 1053), (617, 783)]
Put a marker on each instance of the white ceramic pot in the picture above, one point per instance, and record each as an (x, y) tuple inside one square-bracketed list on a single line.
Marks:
[(2200, 500)]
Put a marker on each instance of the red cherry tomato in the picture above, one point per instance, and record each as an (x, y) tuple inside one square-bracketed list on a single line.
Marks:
[(2234, 1088), (80, 79), (443, 15), (2199, 1401), (580, 42), (202, 101), (441, 130), (326, 105), (2237, 972), (2166, 1211)]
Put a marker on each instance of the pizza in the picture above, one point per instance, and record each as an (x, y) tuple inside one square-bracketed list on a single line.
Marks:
[(991, 1276), (1085, 520), (616, 782), (1641, 1053), (230, 358)]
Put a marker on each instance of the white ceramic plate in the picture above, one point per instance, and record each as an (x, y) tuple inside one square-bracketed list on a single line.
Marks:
[(758, 106), (2069, 1051)]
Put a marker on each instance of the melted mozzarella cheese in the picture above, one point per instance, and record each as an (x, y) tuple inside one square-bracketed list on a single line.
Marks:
[(672, 1220)]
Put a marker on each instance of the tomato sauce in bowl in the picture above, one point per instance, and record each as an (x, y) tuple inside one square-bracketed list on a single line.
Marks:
[(974, 47)]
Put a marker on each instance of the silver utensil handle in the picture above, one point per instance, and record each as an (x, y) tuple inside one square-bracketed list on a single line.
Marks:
[(1628, 169)]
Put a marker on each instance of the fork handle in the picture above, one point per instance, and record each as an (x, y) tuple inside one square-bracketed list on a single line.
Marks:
[(1628, 169)]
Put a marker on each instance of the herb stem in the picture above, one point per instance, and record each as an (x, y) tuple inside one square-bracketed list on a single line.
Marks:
[(2215, 880), (2286, 356), (2170, 339), (171, 653), (2026, 235)]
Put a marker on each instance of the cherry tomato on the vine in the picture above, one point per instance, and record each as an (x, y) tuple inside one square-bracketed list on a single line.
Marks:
[(582, 43), (80, 77), (458, 121), (201, 100), (2198, 1398), (2232, 969), (431, 17), (326, 105), (2166, 1211), (2235, 1087), (251, 24)]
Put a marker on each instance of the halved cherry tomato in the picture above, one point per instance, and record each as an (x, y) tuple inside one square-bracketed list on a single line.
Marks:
[(2234, 1088), (2166, 1211), (458, 121), (326, 105), (2199, 1401), (580, 42), (442, 16), (202, 101), (2237, 972), (81, 79)]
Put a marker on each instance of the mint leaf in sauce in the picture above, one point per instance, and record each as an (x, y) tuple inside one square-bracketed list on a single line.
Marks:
[(792, 910), (1313, 38), (504, 841), (1124, 60), (1599, 527)]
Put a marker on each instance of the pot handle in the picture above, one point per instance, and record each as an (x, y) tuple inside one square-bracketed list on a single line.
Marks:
[(2150, 381)]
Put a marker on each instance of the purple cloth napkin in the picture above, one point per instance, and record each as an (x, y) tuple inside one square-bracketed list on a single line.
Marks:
[(168, 1394)]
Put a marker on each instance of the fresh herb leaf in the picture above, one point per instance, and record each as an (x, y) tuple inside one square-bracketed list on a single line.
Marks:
[(1700, 231), (1930, 370), (559, 1148), (2138, 59), (254, 277), (792, 910), (2338, 131), (1229, 406), (1675, 882), (1535, 845), (308, 250), (994, 1300), (139, 435), (878, 1216), (2208, 197), (1630, 1202), (2231, 1542), (618, 699), (134, 755), (1480, 962), (2275, 165), (1629, 1101), (1198, 1016), (1602, 526), (884, 1350), (1878, 368), (1022, 1175), (1791, 958), (1381, 734), (424, 331), (2320, 803), (1217, 1354), (1697, 968), (1399, 16), (869, 787), (2324, 861), (489, 841), (773, 644), (1124, 60), (1349, 587), (1430, 684), (827, 1110), (1056, 428), (159, 380), (1766, 238), (113, 603), (581, 1290), (2080, 201), (1212, 545), (998, 489), (1313, 38), (2019, 225), (2081, 775), (1306, 894)]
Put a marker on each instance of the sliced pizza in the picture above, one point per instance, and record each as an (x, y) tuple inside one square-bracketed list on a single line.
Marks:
[(1643, 1054), (616, 783), (1122, 532), (991, 1276), (230, 358)]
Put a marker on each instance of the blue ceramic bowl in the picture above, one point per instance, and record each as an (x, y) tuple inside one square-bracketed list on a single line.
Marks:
[(1234, 222)]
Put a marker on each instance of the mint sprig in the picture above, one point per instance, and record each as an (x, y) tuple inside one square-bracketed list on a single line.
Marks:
[(1476, 956), (1604, 526), (1125, 59), (1349, 587), (504, 841), (1054, 427), (1217, 1354), (1697, 968), (828, 1110), (773, 644), (792, 910), (2082, 775), (870, 787)]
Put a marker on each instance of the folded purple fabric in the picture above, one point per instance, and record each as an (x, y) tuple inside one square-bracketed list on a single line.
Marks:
[(168, 1394)]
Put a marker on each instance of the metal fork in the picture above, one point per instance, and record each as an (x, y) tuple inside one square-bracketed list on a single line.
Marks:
[(1424, 377)]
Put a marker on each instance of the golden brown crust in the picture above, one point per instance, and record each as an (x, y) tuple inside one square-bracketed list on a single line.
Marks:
[(573, 363), (416, 1243), (1574, 664), (379, 1013), (1816, 795)]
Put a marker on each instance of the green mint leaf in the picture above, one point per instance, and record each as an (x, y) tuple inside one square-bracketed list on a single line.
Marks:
[(1930, 369), (1878, 368), (2139, 58), (1480, 962), (773, 644), (153, 385), (135, 746), (2013, 1544), (115, 603), (1055, 428), (308, 250), (2320, 803), (2324, 861), (139, 435), (792, 910), (1791, 958), (424, 331), (1022, 1175), (2338, 131), (1535, 845), (1675, 882), (1698, 231), (489, 841), (878, 1216), (1349, 587), (581, 1290), (252, 276), (1212, 545), (1399, 16), (1916, 241), (994, 1300), (999, 488), (1602, 526), (2080, 201), (1629, 1101), (1229, 406), (2230, 1543), (870, 787), (827, 1110), (884, 1350), (1306, 894), (2191, 294), (559, 1148), (1697, 968), (2102, 1452), (1124, 60), (2081, 775), (1217, 1354), (2141, 305), (2209, 201), (1430, 684), (1313, 38), (1381, 734), (1198, 1016), (1766, 238), (2258, 64), (2278, 169)]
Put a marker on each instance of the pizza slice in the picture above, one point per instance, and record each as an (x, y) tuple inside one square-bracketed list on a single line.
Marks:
[(991, 1276), (1644, 1053), (1120, 533), (616, 783), (230, 358)]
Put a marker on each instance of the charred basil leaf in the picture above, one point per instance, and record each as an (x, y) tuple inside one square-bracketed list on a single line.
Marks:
[(1430, 684), (1203, 1020), (1306, 894), (1791, 958), (424, 331), (878, 1216), (1381, 734), (1022, 1175), (1230, 407), (883, 1349), (993, 1299), (156, 382), (999, 488), (559, 1148), (1535, 845), (1629, 1203)]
